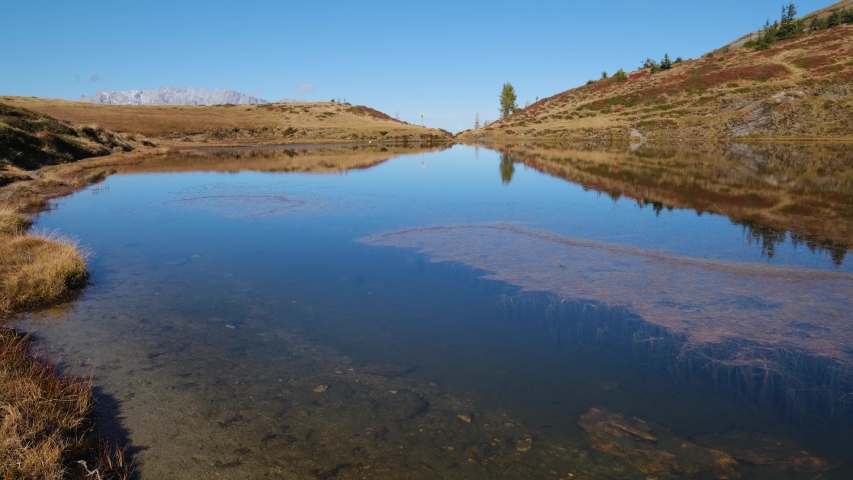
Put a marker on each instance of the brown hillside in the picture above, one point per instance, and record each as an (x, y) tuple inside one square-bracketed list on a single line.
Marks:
[(233, 124), (799, 88)]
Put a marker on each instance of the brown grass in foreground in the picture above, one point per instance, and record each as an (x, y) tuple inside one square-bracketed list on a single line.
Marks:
[(44, 418), (40, 412)]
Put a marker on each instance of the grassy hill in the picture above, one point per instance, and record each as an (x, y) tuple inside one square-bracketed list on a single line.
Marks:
[(798, 88), (30, 140), (237, 124)]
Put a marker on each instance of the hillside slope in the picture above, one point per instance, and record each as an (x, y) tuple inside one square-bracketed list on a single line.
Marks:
[(798, 88), (232, 124), (30, 140)]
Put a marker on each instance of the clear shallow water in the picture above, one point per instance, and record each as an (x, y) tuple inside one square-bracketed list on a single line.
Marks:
[(221, 301)]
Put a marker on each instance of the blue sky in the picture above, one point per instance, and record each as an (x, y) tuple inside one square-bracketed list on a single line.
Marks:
[(445, 59)]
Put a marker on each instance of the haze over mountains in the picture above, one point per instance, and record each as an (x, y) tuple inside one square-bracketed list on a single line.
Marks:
[(173, 96)]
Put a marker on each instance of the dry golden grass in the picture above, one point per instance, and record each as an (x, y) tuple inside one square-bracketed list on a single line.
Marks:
[(38, 270), (46, 420), (42, 414), (233, 124), (13, 222), (800, 89)]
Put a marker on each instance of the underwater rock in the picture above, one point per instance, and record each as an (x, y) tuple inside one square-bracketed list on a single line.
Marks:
[(652, 449), (464, 418), (404, 405), (388, 369), (758, 449), (321, 388), (524, 445)]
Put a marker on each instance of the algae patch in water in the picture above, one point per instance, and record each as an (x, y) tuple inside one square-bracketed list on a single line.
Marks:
[(771, 333)]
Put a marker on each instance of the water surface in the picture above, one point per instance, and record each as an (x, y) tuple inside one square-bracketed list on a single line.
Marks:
[(246, 319)]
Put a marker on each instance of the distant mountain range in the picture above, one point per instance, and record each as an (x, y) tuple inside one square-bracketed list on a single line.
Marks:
[(173, 96)]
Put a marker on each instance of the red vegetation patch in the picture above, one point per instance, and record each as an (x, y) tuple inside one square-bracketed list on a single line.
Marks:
[(676, 78), (829, 69), (702, 79), (840, 32), (640, 74), (368, 112), (771, 52), (811, 62), (844, 77)]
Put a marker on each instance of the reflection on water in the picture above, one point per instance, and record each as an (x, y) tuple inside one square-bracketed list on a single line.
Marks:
[(259, 314), (507, 168), (804, 189)]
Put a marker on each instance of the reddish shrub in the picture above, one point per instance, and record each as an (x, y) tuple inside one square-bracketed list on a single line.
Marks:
[(811, 62), (702, 80)]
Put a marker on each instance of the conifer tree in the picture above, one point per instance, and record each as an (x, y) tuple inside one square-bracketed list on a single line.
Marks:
[(508, 99)]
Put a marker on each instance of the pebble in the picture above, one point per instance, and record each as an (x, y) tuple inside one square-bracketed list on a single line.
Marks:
[(230, 326), (464, 418), (321, 388)]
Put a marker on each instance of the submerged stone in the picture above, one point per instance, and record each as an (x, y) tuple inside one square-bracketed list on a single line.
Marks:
[(524, 445), (652, 449), (758, 449), (388, 369)]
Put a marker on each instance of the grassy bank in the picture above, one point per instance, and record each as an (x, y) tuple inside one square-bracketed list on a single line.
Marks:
[(46, 421)]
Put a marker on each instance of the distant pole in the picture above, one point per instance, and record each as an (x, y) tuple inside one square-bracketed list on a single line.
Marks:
[(422, 119)]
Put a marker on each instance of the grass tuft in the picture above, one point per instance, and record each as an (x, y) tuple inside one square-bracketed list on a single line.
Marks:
[(36, 270), (12, 222)]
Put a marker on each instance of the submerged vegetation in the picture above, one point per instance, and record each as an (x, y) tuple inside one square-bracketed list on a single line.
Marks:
[(769, 335)]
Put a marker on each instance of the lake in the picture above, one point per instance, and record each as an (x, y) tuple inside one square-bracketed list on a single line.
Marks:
[(527, 311)]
